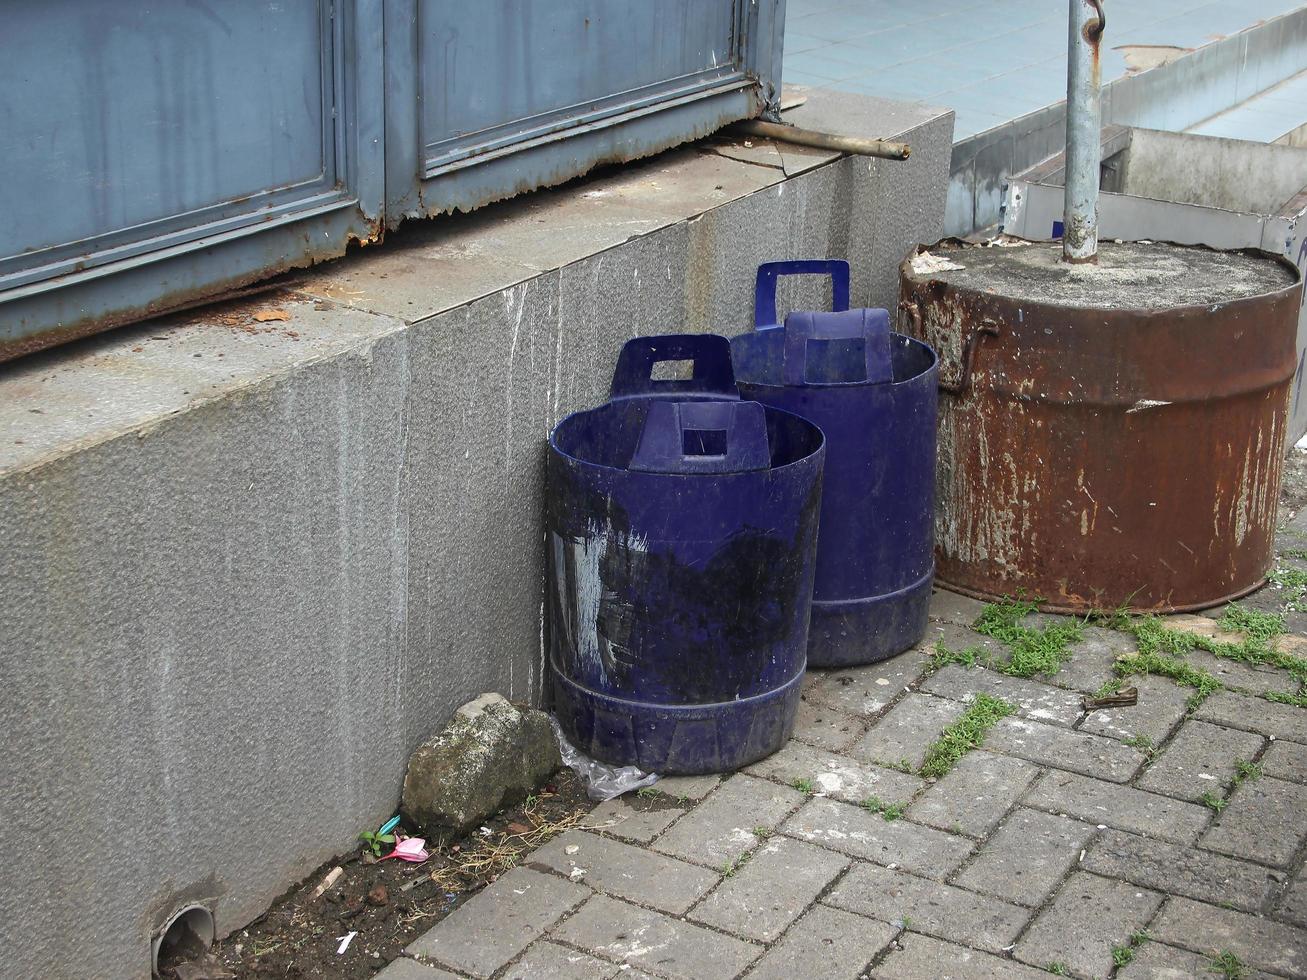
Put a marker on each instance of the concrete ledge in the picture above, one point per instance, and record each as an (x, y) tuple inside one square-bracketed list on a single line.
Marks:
[(249, 565), (1173, 96)]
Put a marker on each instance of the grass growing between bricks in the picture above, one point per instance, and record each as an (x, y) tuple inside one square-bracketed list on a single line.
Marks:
[(1123, 955), (890, 811), (965, 734), (1033, 651), (1162, 648), (1228, 965)]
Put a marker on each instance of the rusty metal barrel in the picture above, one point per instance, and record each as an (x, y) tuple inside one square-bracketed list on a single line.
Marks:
[(1112, 435)]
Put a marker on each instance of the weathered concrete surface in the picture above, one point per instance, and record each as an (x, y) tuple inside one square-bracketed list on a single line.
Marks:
[(249, 565)]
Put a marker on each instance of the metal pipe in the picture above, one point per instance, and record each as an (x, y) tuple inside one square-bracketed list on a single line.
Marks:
[(1083, 127), (822, 141)]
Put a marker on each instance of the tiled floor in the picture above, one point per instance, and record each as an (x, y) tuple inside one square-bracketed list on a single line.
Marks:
[(1066, 844), (989, 60)]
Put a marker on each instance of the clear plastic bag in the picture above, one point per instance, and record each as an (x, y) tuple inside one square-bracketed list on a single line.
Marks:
[(602, 782)]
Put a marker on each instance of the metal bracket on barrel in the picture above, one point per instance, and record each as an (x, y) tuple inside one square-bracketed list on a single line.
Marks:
[(988, 328)]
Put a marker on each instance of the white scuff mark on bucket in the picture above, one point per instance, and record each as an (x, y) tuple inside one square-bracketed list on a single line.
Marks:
[(924, 263), (1144, 404), (586, 558)]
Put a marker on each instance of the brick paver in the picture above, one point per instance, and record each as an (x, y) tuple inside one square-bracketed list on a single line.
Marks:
[(908, 729), (930, 907), (500, 922), (1262, 822), (1119, 806), (1088, 916), (625, 870), (837, 776), (406, 969), (1187, 871), (655, 942), (1286, 760), (1162, 705), (826, 944), (1292, 906), (1027, 858), (1092, 659), (620, 819), (1051, 745), (1255, 715), (1158, 961), (926, 958), (862, 834), (722, 827), (826, 727), (1058, 838), (1042, 702), (867, 690), (973, 798), (546, 959), (1258, 942), (1200, 759), (780, 880)]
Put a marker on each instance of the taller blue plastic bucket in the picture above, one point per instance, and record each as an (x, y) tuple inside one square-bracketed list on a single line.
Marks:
[(873, 393), (682, 530)]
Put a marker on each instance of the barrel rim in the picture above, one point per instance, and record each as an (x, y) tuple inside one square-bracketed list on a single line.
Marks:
[(908, 275)]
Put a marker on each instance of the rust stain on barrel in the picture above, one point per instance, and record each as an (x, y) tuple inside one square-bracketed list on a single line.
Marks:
[(1107, 457)]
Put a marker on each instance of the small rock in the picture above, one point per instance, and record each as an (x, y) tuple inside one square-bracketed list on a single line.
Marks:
[(378, 895), (490, 755), (571, 848)]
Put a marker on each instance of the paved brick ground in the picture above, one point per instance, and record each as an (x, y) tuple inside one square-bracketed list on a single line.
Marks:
[(1053, 844)]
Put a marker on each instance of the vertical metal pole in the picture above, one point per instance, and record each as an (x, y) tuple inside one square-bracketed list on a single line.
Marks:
[(1083, 125)]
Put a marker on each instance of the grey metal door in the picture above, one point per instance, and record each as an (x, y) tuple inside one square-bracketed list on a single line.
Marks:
[(488, 99), (160, 151), (163, 151)]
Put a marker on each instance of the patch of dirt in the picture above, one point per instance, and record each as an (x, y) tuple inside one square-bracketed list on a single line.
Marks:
[(390, 903)]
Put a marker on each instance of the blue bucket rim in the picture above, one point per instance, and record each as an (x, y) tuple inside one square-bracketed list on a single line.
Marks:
[(741, 380), (817, 453)]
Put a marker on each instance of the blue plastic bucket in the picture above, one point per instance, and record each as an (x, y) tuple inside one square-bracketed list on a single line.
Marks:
[(682, 529), (873, 392)]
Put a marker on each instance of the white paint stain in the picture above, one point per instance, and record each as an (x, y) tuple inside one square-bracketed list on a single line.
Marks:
[(1144, 404)]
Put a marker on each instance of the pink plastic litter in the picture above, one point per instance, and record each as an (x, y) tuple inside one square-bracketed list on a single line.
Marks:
[(411, 849)]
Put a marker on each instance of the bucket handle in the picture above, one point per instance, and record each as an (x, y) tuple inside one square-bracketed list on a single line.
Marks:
[(988, 328), (871, 326), (702, 437), (764, 289), (713, 377)]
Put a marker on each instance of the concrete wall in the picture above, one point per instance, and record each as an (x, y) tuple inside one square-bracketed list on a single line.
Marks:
[(248, 565)]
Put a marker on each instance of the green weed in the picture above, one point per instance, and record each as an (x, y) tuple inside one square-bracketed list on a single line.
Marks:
[(967, 733), (1032, 651), (1228, 965), (1213, 802), (890, 811), (1245, 770), (804, 786)]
